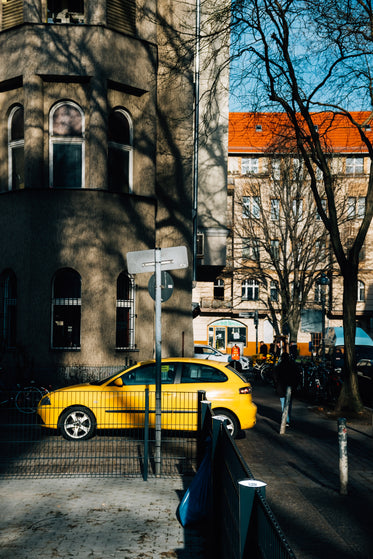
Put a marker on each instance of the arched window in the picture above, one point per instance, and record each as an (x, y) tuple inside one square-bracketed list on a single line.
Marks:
[(66, 146), (16, 147), (360, 291), (120, 151), (66, 310), (8, 302), (125, 312), (250, 290)]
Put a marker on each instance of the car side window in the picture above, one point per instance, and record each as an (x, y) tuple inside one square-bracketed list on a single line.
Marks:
[(201, 373), (146, 374)]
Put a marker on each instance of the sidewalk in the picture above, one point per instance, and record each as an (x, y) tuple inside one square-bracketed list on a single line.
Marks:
[(94, 518), (301, 469), (103, 518)]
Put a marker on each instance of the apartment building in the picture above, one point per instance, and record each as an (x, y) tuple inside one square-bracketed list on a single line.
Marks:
[(97, 123), (277, 237)]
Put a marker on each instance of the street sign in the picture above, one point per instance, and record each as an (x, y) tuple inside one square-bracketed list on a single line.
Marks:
[(142, 261), (167, 286), (246, 314), (158, 260)]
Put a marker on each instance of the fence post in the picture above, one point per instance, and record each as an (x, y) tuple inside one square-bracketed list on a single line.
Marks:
[(285, 410), (146, 435), (343, 460), (217, 423), (201, 428), (246, 495)]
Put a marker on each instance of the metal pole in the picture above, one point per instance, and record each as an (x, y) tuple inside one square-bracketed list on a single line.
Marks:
[(158, 357), (286, 410), (256, 320), (343, 459), (323, 321), (196, 138), (146, 435), (246, 495)]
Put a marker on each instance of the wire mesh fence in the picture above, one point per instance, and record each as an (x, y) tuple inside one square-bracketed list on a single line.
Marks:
[(98, 433)]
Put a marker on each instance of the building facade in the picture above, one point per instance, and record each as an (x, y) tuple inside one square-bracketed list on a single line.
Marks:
[(277, 238), (96, 160)]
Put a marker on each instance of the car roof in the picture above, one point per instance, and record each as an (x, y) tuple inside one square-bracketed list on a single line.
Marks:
[(181, 360)]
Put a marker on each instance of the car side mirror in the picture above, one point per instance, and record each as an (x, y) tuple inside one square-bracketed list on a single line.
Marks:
[(118, 381)]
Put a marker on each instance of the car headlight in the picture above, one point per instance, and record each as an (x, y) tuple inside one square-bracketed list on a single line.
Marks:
[(45, 401)]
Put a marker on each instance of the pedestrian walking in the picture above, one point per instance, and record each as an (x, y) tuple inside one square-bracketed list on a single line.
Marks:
[(293, 350), (285, 374), (263, 349)]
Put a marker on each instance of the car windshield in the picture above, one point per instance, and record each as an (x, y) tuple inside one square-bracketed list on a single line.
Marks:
[(107, 379)]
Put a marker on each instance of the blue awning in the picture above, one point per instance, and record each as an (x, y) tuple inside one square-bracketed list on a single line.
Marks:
[(335, 336)]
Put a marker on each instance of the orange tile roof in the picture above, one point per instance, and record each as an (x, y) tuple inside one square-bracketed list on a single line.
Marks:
[(275, 133)]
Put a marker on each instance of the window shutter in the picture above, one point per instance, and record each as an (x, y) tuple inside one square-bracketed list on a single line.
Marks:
[(12, 13), (121, 15)]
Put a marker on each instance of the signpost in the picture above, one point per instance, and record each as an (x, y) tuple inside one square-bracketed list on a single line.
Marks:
[(255, 316), (158, 261)]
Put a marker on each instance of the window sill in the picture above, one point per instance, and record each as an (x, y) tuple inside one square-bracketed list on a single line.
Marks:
[(65, 348)]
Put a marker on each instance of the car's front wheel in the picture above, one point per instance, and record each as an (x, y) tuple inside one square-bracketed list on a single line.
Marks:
[(77, 424), (230, 419)]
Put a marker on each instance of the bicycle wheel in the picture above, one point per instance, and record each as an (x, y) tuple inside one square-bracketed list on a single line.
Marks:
[(27, 399)]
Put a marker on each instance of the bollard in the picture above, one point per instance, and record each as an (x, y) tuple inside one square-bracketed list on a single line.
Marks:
[(246, 491), (285, 411), (343, 459)]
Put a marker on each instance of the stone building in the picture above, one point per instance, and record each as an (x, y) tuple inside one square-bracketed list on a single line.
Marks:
[(96, 160), (237, 305)]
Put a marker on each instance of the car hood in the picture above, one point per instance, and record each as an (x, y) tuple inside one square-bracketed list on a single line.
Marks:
[(86, 387)]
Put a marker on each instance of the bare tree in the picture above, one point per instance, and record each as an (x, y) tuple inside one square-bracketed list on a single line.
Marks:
[(281, 238), (304, 57)]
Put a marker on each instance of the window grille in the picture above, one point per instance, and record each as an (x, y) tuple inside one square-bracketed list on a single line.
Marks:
[(125, 313), (66, 310)]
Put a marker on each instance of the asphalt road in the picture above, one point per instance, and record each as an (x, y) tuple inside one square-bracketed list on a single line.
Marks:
[(301, 469)]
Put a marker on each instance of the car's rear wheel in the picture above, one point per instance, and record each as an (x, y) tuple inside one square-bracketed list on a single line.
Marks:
[(77, 424), (231, 420)]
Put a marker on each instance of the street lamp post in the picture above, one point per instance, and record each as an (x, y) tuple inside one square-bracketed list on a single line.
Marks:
[(323, 281)]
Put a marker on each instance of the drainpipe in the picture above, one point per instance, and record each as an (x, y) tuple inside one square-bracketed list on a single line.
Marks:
[(196, 139)]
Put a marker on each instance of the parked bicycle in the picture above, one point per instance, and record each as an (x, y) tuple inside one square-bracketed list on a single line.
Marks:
[(318, 383), (27, 399), (263, 371), (24, 398)]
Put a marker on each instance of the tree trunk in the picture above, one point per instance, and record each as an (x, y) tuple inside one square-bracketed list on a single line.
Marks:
[(350, 397)]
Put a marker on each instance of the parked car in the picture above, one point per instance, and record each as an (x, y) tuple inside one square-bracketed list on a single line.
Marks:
[(118, 402), (202, 351)]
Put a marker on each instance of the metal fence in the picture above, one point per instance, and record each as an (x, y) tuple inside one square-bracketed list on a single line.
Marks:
[(242, 524), (119, 441)]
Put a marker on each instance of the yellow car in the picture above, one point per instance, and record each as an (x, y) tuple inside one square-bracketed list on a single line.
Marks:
[(118, 402)]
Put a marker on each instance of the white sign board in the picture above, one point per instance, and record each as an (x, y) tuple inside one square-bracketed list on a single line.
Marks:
[(143, 261)]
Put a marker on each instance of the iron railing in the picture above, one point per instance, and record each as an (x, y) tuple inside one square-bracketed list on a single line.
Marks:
[(120, 441), (241, 523)]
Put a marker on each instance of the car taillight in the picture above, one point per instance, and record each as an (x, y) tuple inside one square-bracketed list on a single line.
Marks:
[(246, 390)]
